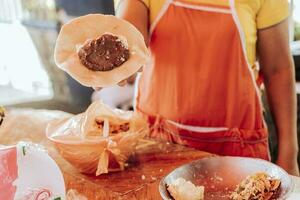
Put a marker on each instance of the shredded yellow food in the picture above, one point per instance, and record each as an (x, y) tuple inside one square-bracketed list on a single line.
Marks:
[(259, 186)]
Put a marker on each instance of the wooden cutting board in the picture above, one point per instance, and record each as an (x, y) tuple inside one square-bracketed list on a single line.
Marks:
[(139, 181)]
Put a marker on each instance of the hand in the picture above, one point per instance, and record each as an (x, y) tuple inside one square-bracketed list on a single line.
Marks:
[(122, 83), (288, 164)]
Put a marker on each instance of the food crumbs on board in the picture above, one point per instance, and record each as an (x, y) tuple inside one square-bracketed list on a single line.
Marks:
[(143, 177), (160, 170)]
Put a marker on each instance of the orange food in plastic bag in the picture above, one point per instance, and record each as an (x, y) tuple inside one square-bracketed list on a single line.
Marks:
[(81, 30), (99, 140)]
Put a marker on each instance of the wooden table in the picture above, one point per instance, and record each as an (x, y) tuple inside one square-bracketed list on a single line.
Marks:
[(139, 181)]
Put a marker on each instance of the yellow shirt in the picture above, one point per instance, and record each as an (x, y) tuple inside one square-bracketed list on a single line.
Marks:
[(253, 15)]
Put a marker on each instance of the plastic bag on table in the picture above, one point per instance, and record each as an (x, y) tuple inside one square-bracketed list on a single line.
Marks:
[(75, 195), (99, 140), (23, 177)]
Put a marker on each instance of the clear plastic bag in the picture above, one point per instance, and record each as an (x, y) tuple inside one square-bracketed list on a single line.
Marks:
[(22, 173), (75, 195), (99, 140)]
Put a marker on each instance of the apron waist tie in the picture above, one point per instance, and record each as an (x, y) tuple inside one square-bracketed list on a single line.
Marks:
[(237, 134), (230, 141), (169, 129)]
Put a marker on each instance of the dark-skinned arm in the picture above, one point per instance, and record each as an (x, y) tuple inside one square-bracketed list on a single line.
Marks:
[(277, 66)]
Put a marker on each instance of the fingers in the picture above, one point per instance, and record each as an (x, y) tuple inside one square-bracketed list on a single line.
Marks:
[(97, 88), (131, 79), (141, 69), (122, 83)]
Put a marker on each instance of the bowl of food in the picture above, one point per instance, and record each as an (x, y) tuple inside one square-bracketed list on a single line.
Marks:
[(232, 178)]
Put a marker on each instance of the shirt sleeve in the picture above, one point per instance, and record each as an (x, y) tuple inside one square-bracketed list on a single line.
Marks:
[(146, 2), (272, 12)]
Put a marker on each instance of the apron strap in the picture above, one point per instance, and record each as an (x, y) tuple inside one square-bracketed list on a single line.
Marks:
[(161, 13), (203, 7)]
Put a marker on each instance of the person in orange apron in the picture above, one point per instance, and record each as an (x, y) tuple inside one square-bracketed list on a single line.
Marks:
[(199, 89)]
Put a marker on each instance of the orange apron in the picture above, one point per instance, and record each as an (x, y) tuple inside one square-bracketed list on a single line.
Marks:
[(199, 89)]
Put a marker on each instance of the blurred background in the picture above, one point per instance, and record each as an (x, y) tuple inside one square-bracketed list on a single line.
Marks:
[(28, 75)]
